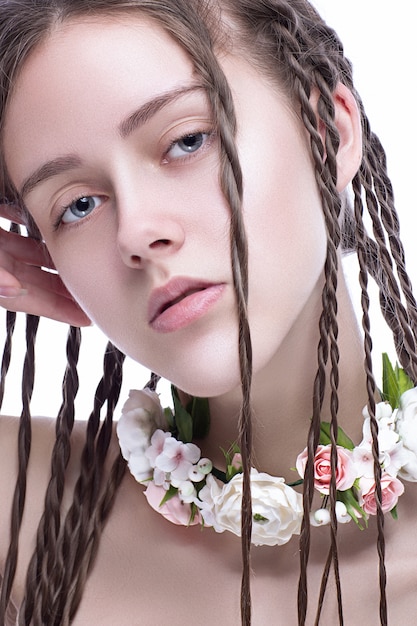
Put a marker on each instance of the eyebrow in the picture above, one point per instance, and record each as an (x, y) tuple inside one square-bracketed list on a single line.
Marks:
[(49, 170), (149, 109), (138, 118)]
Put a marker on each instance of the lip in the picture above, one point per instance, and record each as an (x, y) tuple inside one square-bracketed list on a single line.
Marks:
[(180, 302)]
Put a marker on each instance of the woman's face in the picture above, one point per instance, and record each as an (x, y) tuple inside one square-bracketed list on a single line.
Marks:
[(109, 137)]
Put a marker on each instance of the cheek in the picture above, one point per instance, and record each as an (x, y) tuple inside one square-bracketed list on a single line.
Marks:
[(89, 269)]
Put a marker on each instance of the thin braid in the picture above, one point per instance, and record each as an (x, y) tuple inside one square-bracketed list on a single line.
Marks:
[(390, 220), (405, 345), (326, 176), (7, 352), (371, 389), (42, 564), (221, 102), (24, 444), (94, 515), (308, 484), (68, 551), (7, 349), (231, 180), (77, 524), (331, 211), (100, 515)]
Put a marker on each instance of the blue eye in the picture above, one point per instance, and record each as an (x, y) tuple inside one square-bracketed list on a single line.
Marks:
[(187, 145), (80, 208)]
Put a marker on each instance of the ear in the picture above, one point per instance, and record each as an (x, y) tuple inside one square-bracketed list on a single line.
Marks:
[(348, 123)]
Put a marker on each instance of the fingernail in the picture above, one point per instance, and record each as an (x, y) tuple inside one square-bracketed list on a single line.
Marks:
[(12, 292)]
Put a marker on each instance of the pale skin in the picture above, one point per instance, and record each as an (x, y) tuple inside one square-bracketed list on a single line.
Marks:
[(155, 209)]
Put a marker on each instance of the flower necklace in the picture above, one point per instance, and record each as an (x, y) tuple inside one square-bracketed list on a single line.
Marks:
[(187, 490)]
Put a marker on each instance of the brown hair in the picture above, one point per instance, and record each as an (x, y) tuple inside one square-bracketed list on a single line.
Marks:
[(290, 43)]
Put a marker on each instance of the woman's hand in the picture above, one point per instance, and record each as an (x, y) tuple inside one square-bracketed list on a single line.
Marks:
[(29, 282)]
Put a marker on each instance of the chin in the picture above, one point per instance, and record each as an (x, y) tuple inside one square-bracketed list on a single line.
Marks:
[(204, 380)]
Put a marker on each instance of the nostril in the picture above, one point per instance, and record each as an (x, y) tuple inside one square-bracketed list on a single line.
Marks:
[(135, 259), (160, 243)]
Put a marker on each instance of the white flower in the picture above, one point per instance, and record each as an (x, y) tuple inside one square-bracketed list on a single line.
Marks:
[(408, 469), (177, 458), (141, 415), (392, 455), (406, 422), (363, 459), (387, 436), (383, 411), (157, 445), (277, 508)]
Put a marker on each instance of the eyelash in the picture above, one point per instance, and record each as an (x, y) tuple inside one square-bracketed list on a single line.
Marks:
[(58, 223), (209, 136)]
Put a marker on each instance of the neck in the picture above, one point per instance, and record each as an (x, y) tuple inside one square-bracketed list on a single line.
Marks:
[(282, 394)]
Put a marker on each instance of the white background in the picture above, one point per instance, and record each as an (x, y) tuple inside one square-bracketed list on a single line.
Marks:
[(380, 42)]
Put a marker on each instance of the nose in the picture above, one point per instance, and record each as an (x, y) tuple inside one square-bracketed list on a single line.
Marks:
[(142, 239)]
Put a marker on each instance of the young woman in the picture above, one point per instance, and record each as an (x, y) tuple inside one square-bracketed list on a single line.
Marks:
[(187, 169)]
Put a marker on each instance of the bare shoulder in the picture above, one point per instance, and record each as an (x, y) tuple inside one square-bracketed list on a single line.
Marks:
[(42, 441), (37, 477)]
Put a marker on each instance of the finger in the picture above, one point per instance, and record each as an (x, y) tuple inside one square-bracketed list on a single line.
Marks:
[(25, 249), (12, 212), (32, 290), (10, 287), (48, 304)]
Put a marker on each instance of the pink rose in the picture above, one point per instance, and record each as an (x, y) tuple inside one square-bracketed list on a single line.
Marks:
[(173, 510), (391, 487), (345, 474)]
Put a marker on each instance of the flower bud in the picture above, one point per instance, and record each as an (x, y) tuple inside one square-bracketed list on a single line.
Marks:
[(321, 517), (341, 513), (186, 491), (195, 475), (204, 466)]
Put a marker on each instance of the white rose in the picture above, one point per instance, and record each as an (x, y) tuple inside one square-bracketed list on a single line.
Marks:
[(406, 426), (141, 415), (145, 406), (408, 470), (277, 509)]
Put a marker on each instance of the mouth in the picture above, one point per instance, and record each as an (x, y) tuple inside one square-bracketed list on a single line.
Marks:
[(180, 302), (178, 299)]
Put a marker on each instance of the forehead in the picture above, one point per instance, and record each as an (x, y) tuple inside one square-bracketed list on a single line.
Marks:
[(84, 74)]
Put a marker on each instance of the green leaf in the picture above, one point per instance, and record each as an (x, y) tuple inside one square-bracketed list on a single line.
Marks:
[(404, 382), (193, 421), (295, 483), (394, 513), (390, 386), (183, 420), (200, 415), (394, 382), (342, 439), (172, 491), (169, 416), (194, 511), (353, 508)]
